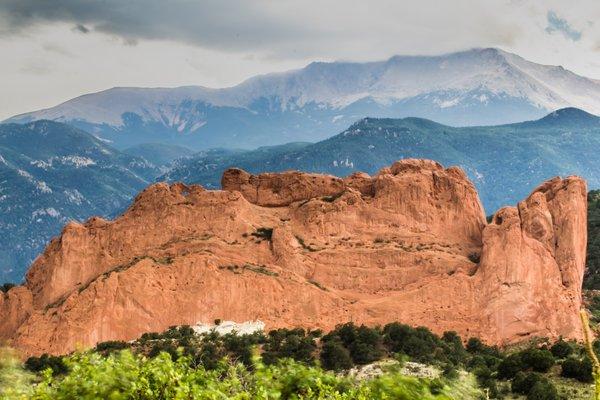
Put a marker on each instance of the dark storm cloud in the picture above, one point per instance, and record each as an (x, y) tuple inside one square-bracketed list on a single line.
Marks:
[(557, 24), (226, 25)]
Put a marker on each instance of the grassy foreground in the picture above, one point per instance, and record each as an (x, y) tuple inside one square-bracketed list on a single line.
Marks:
[(124, 375), (395, 361)]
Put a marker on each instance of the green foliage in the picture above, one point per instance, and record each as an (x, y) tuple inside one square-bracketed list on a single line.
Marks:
[(15, 382), (348, 345), (561, 349), (450, 372), (422, 345), (111, 345), (289, 343), (577, 369), (523, 382), (535, 386), (592, 274), (543, 390), (364, 344), (510, 366), (45, 361), (124, 375), (334, 356), (540, 360)]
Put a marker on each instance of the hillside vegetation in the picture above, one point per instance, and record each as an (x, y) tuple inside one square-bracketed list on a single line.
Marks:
[(346, 363), (592, 276)]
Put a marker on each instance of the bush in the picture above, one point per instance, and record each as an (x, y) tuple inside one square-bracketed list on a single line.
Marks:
[(164, 347), (39, 364), (535, 386), (334, 356), (239, 347), (111, 345), (537, 359), (577, 369), (476, 346), (561, 349), (543, 390), (294, 344), (510, 366), (522, 383), (364, 344), (421, 344)]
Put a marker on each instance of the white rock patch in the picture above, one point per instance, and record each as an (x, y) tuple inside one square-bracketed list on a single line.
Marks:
[(242, 328)]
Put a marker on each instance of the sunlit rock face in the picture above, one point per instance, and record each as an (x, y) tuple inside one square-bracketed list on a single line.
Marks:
[(408, 244)]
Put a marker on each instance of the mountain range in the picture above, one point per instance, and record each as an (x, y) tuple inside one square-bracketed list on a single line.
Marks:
[(67, 174), (505, 162), (50, 174), (474, 87)]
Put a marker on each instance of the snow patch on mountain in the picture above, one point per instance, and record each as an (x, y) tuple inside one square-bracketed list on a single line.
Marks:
[(319, 91)]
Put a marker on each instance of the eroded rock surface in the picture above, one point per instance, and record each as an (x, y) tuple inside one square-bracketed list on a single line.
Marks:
[(409, 244)]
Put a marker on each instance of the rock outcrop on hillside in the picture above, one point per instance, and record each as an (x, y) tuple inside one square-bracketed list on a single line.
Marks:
[(409, 244)]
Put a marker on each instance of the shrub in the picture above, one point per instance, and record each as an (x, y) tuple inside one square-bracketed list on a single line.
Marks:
[(164, 347), (45, 361), (537, 359), (111, 345), (422, 345), (364, 344), (522, 383), (149, 336), (561, 349), (395, 336), (240, 348), (543, 390), (510, 366), (476, 346), (577, 369), (334, 356), (209, 355), (286, 343)]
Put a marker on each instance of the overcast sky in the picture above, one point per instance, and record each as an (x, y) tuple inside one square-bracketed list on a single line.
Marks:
[(55, 50)]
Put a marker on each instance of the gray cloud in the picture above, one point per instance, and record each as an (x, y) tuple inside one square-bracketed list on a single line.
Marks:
[(94, 44), (225, 25), (557, 24)]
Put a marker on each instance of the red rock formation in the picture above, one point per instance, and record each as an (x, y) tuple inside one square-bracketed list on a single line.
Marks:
[(410, 244)]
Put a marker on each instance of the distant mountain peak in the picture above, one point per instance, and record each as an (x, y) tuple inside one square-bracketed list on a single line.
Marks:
[(571, 112), (569, 117), (481, 86)]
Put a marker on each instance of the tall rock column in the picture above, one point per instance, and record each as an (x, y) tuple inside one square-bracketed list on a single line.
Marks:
[(532, 263)]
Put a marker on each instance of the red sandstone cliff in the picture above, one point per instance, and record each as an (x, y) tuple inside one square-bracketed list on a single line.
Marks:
[(410, 244)]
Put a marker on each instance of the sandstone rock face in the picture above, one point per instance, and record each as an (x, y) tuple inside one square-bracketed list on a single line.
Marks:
[(409, 244)]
